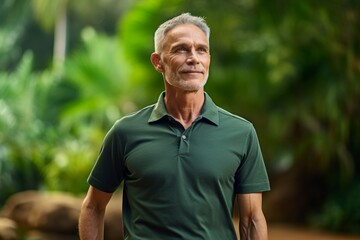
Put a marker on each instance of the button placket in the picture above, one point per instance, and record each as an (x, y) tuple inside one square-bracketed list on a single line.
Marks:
[(184, 145)]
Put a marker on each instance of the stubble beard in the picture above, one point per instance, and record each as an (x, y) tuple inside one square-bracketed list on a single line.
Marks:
[(187, 85)]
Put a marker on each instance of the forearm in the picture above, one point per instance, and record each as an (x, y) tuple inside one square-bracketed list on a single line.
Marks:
[(253, 229), (91, 223)]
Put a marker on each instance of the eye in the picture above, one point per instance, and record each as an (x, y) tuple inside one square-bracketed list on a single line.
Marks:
[(203, 49), (180, 49)]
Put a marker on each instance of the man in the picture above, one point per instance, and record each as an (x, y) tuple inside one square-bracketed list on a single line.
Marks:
[(184, 161)]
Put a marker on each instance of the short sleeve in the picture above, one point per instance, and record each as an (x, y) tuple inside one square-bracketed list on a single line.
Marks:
[(107, 172), (251, 176)]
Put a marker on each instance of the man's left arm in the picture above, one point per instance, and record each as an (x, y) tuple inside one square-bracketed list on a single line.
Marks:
[(252, 224)]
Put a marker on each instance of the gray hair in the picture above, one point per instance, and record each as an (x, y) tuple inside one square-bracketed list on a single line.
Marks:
[(185, 18)]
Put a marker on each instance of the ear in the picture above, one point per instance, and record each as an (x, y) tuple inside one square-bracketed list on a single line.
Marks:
[(156, 61)]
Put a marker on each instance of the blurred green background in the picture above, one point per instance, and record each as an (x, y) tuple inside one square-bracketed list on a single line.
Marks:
[(69, 69)]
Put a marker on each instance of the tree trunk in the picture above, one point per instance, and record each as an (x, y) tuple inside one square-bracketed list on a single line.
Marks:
[(60, 35)]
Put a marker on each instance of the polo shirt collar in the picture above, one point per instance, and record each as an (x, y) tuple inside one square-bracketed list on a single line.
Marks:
[(209, 110)]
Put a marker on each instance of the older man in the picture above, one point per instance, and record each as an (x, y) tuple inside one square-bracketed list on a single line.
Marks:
[(184, 161)]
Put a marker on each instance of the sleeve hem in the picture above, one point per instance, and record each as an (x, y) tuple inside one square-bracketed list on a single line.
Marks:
[(253, 188), (99, 185)]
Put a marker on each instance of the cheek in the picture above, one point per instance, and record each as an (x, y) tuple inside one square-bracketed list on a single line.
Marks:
[(205, 61), (171, 67), (175, 64), (207, 64)]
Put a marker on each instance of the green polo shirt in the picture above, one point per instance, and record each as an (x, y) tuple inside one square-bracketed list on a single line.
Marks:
[(180, 183)]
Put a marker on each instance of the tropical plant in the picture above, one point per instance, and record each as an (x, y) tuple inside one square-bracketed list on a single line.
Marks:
[(14, 18), (93, 94), (24, 127)]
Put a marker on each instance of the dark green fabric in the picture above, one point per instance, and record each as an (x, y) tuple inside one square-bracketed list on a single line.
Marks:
[(180, 184)]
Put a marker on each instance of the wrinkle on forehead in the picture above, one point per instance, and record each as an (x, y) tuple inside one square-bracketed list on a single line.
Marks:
[(185, 33)]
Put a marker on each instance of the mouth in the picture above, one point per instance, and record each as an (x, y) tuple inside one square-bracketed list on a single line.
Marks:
[(191, 72)]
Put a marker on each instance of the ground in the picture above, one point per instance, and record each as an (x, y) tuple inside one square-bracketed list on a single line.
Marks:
[(283, 232)]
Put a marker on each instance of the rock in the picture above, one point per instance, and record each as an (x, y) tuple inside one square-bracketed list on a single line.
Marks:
[(39, 235), (53, 216), (8, 229), (51, 212), (19, 206)]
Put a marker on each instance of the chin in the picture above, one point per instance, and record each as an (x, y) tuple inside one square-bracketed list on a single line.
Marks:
[(194, 84), (191, 86)]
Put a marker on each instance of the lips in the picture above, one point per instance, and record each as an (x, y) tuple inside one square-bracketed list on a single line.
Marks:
[(191, 71)]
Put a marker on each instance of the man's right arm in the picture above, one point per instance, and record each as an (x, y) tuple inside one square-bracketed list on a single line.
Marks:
[(91, 221), (252, 220)]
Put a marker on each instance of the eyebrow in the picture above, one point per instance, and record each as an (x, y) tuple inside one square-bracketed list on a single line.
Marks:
[(177, 45)]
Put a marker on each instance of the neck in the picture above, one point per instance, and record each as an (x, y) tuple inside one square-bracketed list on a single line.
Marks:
[(184, 106)]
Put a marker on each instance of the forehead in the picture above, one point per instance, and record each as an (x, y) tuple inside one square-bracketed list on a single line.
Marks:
[(184, 33)]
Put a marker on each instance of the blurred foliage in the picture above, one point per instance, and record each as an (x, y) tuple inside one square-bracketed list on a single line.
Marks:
[(340, 212), (98, 76), (24, 115), (290, 67), (12, 27), (46, 12)]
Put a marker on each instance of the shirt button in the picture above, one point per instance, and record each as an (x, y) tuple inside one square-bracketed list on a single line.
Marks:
[(183, 137)]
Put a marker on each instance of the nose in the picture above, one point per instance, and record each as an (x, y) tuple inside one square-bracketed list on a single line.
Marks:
[(192, 58)]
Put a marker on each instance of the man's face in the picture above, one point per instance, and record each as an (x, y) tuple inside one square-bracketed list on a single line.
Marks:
[(185, 58)]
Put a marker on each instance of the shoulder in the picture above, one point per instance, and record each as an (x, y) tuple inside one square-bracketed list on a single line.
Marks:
[(233, 120), (135, 119)]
